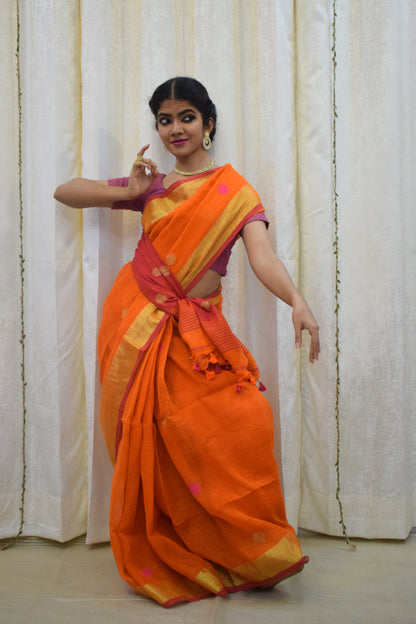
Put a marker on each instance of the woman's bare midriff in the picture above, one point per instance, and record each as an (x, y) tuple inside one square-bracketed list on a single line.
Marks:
[(207, 285)]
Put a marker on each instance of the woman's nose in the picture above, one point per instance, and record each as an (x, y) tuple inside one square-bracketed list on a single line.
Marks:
[(176, 126)]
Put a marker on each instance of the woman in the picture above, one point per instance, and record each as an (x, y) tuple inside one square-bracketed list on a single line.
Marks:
[(196, 506)]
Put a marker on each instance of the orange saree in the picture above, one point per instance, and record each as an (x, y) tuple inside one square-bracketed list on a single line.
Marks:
[(196, 506)]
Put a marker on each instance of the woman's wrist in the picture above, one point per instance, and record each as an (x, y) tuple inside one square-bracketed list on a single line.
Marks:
[(126, 193), (122, 193), (297, 300)]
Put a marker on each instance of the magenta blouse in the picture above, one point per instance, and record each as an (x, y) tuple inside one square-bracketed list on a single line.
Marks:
[(138, 204)]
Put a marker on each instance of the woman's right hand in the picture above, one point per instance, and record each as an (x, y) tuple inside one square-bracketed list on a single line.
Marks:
[(83, 193), (142, 174)]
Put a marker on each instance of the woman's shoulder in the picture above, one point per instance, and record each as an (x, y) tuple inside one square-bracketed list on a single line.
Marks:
[(229, 170), (240, 180), (157, 183)]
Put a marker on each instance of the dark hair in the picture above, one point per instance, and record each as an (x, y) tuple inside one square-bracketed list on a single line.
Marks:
[(184, 88)]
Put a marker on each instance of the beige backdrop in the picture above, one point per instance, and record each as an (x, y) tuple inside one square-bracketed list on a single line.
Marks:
[(87, 71)]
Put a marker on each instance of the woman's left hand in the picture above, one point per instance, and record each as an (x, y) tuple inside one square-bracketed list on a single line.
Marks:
[(303, 318)]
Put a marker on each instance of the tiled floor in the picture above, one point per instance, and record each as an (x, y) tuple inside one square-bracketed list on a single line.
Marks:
[(47, 583)]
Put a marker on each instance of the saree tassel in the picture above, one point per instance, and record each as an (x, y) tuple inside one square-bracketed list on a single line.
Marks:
[(262, 387), (210, 362), (247, 376)]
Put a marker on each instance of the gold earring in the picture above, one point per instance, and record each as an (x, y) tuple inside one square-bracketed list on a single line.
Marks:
[(206, 141)]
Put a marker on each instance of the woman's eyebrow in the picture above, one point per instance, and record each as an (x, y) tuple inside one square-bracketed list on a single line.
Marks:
[(186, 110)]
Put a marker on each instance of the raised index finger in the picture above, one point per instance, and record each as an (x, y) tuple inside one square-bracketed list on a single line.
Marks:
[(141, 152)]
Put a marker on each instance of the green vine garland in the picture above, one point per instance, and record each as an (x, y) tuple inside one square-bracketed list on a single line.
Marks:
[(22, 270), (337, 274)]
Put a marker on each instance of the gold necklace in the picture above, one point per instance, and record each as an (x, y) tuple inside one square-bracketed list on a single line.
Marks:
[(191, 173)]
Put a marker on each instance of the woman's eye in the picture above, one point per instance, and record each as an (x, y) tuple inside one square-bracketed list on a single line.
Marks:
[(163, 121), (188, 118)]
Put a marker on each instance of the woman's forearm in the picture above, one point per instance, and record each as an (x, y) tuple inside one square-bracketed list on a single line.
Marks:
[(273, 274), (265, 264), (83, 193)]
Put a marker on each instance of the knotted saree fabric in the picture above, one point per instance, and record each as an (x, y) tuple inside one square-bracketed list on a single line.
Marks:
[(196, 507)]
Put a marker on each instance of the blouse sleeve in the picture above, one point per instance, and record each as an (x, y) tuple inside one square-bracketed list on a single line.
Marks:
[(220, 264), (260, 216), (136, 204)]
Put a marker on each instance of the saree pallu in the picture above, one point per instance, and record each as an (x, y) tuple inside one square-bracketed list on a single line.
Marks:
[(196, 505)]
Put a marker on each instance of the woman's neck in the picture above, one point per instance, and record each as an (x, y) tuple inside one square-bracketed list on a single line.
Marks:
[(194, 164), (173, 176), (187, 173)]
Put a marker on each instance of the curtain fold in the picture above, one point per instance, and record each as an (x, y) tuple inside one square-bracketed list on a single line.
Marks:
[(56, 487), (87, 71), (316, 262), (375, 152), (10, 283), (55, 497)]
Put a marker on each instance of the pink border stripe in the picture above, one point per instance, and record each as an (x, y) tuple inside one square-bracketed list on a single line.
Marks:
[(175, 185), (294, 569)]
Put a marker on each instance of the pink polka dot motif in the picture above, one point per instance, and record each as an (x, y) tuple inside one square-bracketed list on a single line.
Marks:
[(164, 270), (160, 298), (195, 488), (223, 189), (259, 537), (146, 572)]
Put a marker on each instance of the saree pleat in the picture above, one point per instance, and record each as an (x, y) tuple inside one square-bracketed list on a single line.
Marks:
[(196, 506)]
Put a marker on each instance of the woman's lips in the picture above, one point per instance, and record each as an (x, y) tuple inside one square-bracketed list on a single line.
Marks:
[(179, 141)]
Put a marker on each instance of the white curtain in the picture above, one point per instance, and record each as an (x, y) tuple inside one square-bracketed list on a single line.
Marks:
[(87, 70)]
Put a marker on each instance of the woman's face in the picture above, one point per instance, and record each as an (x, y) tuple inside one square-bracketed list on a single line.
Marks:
[(181, 128)]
